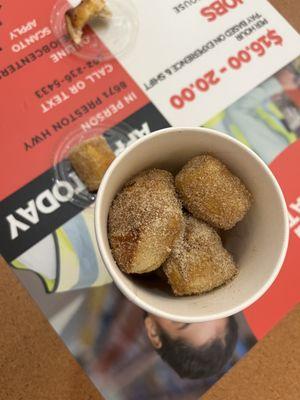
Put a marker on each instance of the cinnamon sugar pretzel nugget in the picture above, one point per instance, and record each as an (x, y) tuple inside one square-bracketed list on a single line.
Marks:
[(78, 17), (144, 220), (90, 160), (198, 262), (212, 193)]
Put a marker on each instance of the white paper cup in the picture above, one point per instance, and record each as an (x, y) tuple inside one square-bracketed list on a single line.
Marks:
[(258, 243)]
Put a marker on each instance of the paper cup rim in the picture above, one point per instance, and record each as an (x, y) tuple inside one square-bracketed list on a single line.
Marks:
[(112, 269)]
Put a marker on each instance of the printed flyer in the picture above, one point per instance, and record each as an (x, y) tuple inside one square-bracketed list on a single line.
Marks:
[(53, 89), (230, 65), (130, 354)]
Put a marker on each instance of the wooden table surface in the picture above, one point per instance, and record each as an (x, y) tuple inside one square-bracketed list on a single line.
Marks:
[(270, 371), (290, 9), (34, 363)]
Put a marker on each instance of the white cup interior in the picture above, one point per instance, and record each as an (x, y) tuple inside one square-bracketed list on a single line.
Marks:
[(258, 243)]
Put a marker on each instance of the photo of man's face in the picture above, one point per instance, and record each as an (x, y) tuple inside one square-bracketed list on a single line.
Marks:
[(195, 350), (141, 356)]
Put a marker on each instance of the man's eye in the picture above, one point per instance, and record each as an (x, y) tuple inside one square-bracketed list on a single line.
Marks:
[(183, 326)]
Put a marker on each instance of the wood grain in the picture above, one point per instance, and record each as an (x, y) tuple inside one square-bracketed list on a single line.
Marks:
[(270, 371), (34, 363), (290, 9)]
